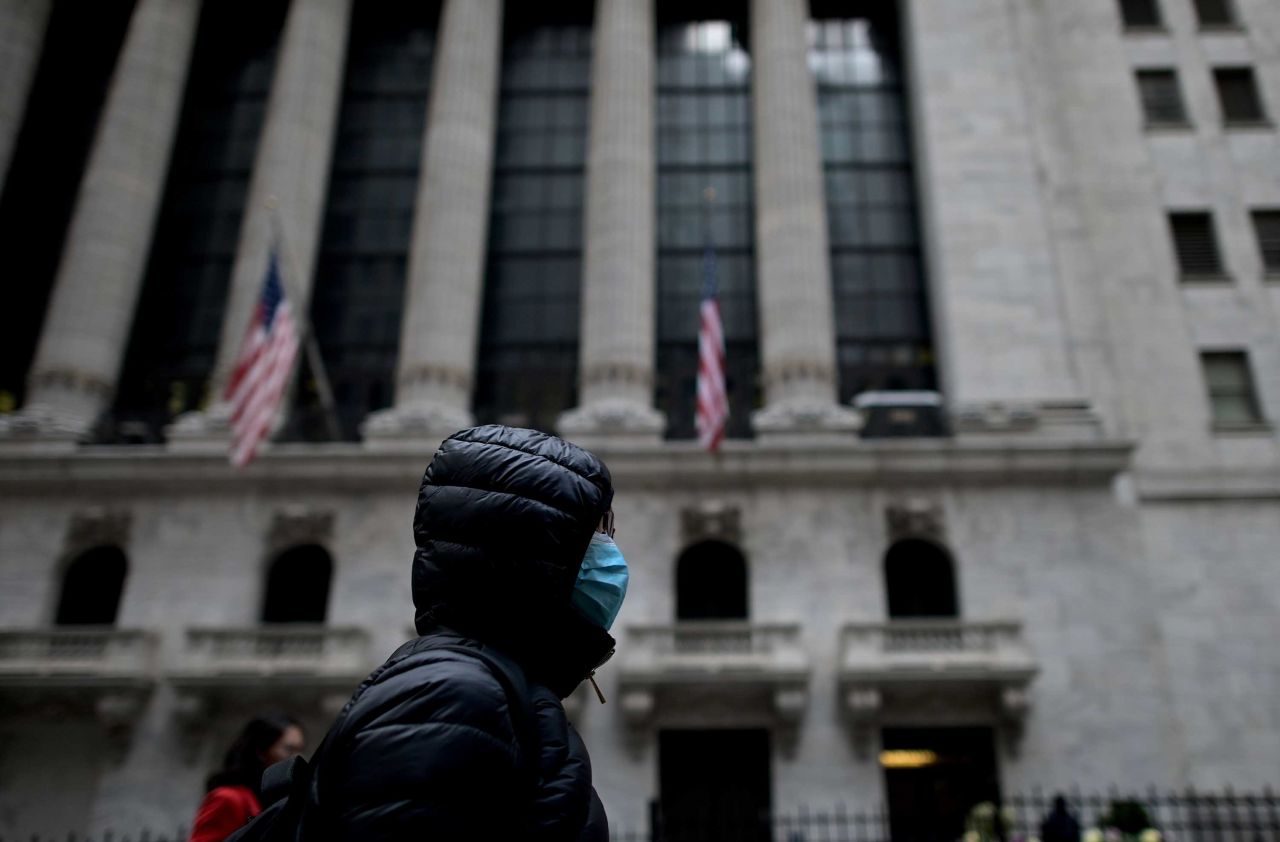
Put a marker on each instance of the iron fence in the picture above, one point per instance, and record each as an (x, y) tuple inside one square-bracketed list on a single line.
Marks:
[(1187, 816)]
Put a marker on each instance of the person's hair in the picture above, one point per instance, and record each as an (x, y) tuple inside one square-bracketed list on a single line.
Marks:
[(243, 764)]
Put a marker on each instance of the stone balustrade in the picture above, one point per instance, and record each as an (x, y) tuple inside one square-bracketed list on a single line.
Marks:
[(293, 650), (76, 655), (913, 660), (714, 657)]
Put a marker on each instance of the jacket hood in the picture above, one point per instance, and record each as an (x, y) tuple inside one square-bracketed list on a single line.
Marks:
[(503, 521)]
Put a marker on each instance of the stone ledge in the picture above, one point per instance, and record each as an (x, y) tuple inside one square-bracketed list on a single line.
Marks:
[(1207, 485), (343, 466)]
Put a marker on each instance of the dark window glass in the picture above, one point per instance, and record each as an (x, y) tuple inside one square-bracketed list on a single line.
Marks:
[(80, 48), (528, 362), (1161, 98), (1195, 243), (91, 588), (298, 586), (882, 326), (1238, 95), (359, 283), (704, 142), (711, 583), (920, 580), (1232, 398), (1140, 13), (1266, 224), (1214, 12), (179, 318)]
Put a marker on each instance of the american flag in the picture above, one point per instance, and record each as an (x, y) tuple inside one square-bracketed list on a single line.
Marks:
[(713, 399), (262, 369)]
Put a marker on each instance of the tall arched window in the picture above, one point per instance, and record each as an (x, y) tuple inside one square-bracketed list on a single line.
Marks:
[(711, 583), (920, 579), (91, 588), (298, 586)]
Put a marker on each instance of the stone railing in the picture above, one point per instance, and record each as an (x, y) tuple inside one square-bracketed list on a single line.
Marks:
[(933, 644), (716, 656), (715, 639), (90, 653), (945, 655), (276, 650)]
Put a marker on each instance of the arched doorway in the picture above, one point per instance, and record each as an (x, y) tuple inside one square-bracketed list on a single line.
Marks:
[(91, 588), (920, 580), (298, 586), (711, 583)]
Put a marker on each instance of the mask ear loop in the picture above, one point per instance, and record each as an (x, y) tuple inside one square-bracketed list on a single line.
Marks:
[(596, 687)]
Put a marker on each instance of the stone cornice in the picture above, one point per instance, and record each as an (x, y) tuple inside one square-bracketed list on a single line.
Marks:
[(345, 467)]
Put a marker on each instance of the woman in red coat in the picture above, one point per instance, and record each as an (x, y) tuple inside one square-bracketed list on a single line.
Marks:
[(232, 792)]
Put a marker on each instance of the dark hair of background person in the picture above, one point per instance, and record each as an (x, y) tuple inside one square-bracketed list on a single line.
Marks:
[(243, 764)]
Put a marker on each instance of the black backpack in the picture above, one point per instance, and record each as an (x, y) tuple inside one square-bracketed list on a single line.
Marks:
[(291, 788)]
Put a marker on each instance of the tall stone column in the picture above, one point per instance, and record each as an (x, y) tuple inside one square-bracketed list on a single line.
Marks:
[(443, 291), (83, 342), (22, 27), (287, 190), (797, 321), (617, 338)]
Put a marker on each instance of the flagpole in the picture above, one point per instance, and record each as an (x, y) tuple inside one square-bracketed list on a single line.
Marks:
[(312, 348)]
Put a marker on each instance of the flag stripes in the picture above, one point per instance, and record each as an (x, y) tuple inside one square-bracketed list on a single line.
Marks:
[(262, 370), (713, 396)]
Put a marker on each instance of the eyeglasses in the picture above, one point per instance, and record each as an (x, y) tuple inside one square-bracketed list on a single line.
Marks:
[(607, 523)]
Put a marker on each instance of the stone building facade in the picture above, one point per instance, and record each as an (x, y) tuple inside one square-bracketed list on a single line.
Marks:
[(1000, 504)]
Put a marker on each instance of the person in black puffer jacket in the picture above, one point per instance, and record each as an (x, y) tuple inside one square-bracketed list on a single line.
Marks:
[(433, 746)]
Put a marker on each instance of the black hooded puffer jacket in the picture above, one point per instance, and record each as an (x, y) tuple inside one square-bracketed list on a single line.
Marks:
[(429, 748)]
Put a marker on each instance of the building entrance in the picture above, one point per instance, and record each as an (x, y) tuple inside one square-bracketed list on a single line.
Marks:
[(933, 777), (714, 784)]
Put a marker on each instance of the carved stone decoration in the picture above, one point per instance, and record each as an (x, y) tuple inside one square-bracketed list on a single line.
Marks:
[(97, 527), (790, 703), (915, 518), (294, 526), (862, 704), (637, 705), (712, 521)]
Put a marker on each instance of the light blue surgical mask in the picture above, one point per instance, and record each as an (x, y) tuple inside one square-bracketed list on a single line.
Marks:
[(602, 582)]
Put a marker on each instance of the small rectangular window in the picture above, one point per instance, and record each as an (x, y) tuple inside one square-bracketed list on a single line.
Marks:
[(1161, 98), (1140, 14), (1232, 399), (1238, 96), (1196, 245), (1214, 13), (1266, 224)]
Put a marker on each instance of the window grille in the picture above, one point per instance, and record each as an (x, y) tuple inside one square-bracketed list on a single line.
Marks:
[(1137, 14), (1161, 99), (704, 139), (1266, 224), (527, 369), (883, 337), (1238, 96), (1232, 399), (1195, 243), (1214, 13), (358, 294)]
